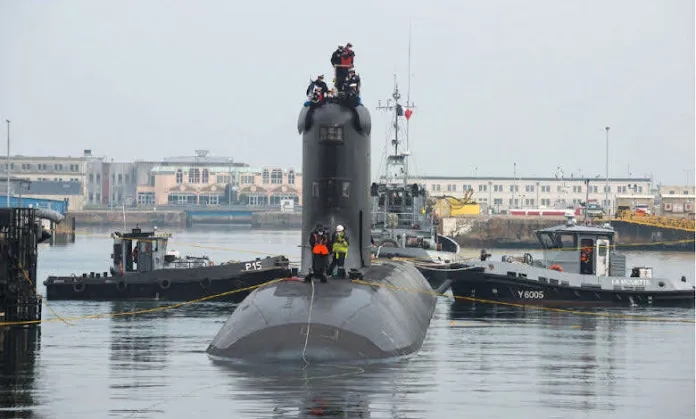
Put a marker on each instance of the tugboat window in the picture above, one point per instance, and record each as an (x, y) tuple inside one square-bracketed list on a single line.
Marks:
[(315, 189), (331, 134), (345, 190)]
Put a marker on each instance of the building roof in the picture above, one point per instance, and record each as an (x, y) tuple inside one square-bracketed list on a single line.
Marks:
[(51, 188), (218, 169), (185, 168), (13, 179)]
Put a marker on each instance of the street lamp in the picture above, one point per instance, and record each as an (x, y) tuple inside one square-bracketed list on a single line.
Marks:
[(8, 163), (606, 186)]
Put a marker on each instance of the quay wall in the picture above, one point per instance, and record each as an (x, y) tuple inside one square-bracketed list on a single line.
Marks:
[(183, 218), (277, 220), (146, 219)]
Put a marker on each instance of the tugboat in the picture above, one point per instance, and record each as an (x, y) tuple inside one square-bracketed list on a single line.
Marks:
[(578, 268), (142, 269)]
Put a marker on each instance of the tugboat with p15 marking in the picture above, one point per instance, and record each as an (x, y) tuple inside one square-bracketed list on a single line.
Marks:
[(579, 267), (147, 271)]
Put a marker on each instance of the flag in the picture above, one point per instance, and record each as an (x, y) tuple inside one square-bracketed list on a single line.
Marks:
[(408, 113)]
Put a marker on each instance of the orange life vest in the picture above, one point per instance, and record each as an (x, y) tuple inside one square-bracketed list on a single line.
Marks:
[(320, 245)]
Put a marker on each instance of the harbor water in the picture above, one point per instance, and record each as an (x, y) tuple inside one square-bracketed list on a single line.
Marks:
[(478, 360)]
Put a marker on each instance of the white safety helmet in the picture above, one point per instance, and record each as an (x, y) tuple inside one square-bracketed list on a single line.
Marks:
[(339, 228)]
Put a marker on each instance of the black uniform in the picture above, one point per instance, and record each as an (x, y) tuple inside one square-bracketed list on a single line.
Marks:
[(317, 83), (336, 57)]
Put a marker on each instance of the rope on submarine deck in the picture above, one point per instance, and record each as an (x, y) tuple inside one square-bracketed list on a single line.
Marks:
[(309, 322)]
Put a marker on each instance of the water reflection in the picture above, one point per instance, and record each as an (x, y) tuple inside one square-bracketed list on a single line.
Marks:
[(330, 391), (18, 349)]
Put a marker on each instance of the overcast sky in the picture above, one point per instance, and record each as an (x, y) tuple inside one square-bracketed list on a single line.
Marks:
[(495, 81)]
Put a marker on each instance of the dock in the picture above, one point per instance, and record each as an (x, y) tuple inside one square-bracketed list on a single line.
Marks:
[(19, 235)]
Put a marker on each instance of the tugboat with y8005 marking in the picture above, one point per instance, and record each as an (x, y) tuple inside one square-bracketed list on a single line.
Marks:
[(146, 271), (578, 268)]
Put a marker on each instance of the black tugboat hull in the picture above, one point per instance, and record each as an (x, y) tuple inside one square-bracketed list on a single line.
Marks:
[(472, 285), (171, 284)]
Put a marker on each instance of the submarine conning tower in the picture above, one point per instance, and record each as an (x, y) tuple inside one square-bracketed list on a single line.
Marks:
[(336, 175)]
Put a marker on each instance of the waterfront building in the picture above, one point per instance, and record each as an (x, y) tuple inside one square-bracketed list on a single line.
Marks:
[(500, 194), (204, 180), (100, 182)]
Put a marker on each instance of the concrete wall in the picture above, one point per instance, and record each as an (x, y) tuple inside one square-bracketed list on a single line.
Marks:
[(146, 219), (276, 220)]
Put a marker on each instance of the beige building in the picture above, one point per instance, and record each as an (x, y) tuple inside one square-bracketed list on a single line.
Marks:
[(501, 194), (211, 181), (101, 183)]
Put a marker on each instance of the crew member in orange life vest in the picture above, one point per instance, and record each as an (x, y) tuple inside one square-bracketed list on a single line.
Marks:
[(319, 242)]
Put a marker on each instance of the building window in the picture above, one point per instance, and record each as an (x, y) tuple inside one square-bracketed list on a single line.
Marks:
[(607, 188), (120, 179), (58, 167), (247, 179), (205, 176), (546, 188), (91, 179), (151, 179), (482, 188), (146, 198), (435, 188), (277, 177), (179, 176), (223, 179), (514, 188), (181, 199), (291, 177), (595, 189), (265, 177), (213, 199), (194, 176)]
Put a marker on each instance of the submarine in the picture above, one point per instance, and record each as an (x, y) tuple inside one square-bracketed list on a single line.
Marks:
[(381, 311)]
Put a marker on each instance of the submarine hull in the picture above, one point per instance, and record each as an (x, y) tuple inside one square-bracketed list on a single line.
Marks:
[(350, 321)]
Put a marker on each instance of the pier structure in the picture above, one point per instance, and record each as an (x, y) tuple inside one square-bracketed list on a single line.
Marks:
[(20, 233)]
